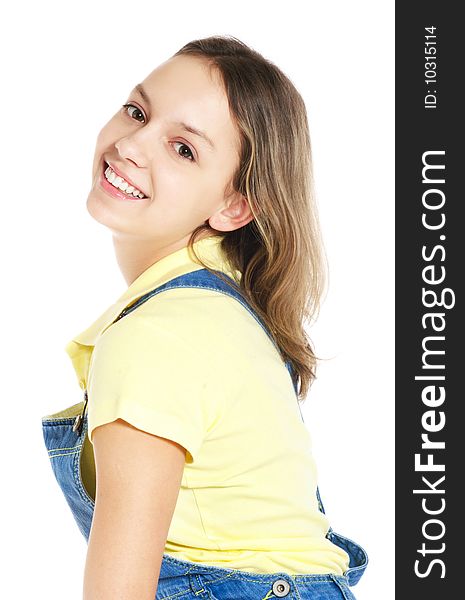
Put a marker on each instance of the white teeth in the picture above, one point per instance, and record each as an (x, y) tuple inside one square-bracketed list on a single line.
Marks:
[(122, 184)]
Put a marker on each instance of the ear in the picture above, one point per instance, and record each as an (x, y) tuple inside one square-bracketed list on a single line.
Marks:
[(234, 216)]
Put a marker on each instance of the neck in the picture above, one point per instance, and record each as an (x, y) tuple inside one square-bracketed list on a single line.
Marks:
[(134, 255)]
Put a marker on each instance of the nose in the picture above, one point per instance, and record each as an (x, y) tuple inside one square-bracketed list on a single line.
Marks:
[(129, 149)]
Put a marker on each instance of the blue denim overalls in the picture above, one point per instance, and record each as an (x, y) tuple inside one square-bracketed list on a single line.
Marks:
[(65, 434)]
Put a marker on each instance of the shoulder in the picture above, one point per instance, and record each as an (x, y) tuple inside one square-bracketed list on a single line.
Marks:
[(160, 369), (210, 328), (198, 317)]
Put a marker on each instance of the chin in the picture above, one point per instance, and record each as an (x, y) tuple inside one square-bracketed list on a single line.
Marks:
[(99, 211), (107, 214)]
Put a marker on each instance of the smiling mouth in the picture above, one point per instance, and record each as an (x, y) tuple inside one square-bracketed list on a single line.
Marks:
[(120, 183)]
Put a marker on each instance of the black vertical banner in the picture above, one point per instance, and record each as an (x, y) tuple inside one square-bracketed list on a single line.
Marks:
[(430, 354)]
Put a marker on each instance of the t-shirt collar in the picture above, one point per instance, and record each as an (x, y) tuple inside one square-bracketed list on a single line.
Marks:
[(177, 263)]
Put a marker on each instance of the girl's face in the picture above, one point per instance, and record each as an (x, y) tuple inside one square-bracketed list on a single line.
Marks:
[(185, 176)]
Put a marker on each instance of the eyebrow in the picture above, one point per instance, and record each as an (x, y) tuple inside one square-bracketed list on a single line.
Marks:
[(184, 126)]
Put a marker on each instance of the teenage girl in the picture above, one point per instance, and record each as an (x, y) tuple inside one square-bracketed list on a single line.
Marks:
[(187, 465)]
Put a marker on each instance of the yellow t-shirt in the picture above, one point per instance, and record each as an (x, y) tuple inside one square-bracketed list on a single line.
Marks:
[(193, 365)]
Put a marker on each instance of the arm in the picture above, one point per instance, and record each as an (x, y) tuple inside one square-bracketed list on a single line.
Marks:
[(138, 476)]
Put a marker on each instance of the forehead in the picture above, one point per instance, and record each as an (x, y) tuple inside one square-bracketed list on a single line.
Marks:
[(187, 89)]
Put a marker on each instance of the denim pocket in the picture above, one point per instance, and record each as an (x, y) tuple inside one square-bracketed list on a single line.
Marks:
[(64, 446), (346, 592)]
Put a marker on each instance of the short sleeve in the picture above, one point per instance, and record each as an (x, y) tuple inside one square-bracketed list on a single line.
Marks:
[(147, 373)]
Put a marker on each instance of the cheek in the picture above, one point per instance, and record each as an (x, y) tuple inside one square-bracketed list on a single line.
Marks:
[(105, 142), (183, 194), (101, 146), (173, 180), (109, 133), (190, 187), (105, 136)]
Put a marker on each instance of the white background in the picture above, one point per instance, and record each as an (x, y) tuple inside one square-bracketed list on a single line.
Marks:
[(66, 68)]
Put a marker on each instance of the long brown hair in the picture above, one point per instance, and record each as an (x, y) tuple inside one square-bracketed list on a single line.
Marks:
[(280, 253)]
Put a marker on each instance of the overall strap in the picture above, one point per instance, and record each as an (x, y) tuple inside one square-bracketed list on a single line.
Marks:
[(202, 278)]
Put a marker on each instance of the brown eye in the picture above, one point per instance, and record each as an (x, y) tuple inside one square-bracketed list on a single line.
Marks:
[(133, 110), (189, 155)]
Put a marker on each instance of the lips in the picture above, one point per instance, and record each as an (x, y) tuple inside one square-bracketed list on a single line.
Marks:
[(121, 174)]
